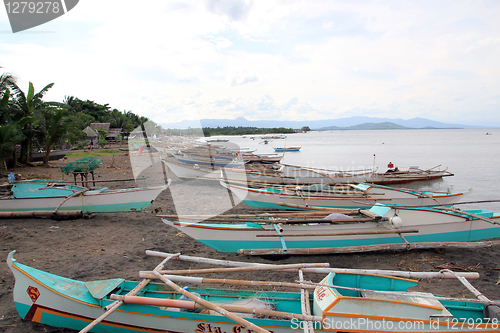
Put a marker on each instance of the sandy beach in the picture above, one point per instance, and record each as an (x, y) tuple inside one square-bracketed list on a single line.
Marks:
[(113, 246)]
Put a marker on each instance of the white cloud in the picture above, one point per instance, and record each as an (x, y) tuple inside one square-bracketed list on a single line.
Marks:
[(252, 58)]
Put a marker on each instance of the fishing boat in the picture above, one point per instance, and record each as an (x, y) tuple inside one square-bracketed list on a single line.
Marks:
[(382, 227), (54, 155), (209, 161), (217, 140), (339, 301), (299, 174), (283, 149), (407, 174), (260, 158), (359, 195), (43, 197), (275, 174)]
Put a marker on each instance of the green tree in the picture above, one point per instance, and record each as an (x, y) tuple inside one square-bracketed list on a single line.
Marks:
[(52, 125), (27, 105), (102, 137)]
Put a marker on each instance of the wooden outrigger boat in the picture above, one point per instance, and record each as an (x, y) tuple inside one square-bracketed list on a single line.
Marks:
[(298, 174), (358, 195), (260, 158), (342, 301), (42, 197), (406, 175), (206, 161), (383, 227), (279, 174)]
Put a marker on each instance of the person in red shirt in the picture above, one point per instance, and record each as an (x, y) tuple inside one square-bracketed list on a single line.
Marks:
[(390, 167)]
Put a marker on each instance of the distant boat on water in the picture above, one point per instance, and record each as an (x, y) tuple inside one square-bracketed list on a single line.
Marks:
[(283, 149)]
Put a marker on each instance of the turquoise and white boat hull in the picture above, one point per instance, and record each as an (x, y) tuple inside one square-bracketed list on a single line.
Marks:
[(435, 228), (357, 196), (38, 196), (340, 301)]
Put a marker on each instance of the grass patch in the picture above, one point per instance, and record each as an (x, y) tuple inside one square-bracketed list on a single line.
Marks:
[(104, 152)]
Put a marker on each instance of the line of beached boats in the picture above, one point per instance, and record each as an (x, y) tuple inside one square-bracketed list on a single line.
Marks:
[(306, 211)]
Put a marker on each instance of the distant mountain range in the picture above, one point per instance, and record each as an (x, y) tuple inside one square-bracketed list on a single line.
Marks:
[(350, 123)]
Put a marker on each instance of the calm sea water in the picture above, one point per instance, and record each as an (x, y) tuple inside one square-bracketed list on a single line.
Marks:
[(470, 154)]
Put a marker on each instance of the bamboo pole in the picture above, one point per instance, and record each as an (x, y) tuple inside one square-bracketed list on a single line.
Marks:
[(241, 216), (330, 198), (310, 207), (320, 270), (471, 288), (202, 260), (40, 213), (369, 248), (347, 233), (242, 269), (74, 194), (305, 304), (200, 280), (96, 181), (115, 305), (404, 274), (211, 306), (301, 221), (479, 217), (333, 221), (228, 307)]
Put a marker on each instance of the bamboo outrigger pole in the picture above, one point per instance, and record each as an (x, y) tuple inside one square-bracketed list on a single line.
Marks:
[(242, 269), (320, 270), (115, 305), (38, 213), (192, 305), (210, 305), (369, 248)]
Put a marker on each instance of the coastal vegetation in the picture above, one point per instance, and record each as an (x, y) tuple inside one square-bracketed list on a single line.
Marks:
[(240, 130), (28, 123)]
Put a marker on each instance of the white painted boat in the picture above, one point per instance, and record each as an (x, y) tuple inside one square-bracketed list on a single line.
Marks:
[(359, 195), (41, 195), (383, 227), (207, 161), (284, 174)]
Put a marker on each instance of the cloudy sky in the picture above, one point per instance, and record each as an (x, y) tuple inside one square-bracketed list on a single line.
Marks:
[(266, 59)]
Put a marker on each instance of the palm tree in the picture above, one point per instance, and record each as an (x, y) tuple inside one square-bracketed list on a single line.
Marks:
[(6, 82), (27, 105), (52, 125)]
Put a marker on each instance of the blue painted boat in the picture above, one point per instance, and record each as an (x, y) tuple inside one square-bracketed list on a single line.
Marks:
[(43, 195), (283, 149), (338, 302)]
